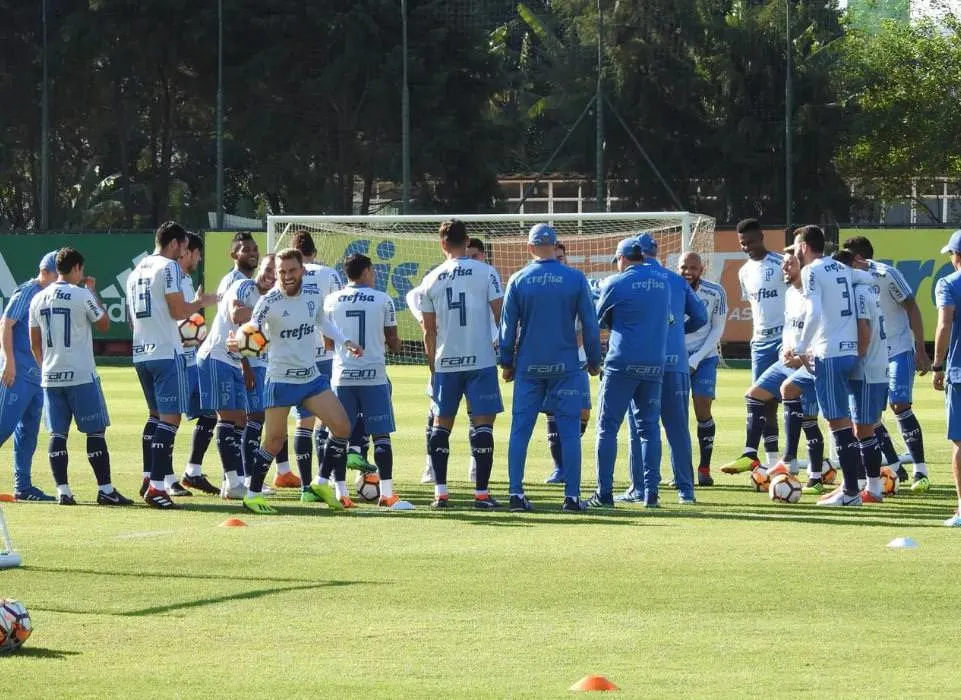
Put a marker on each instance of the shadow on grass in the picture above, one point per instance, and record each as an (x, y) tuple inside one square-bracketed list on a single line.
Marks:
[(200, 577), (41, 653)]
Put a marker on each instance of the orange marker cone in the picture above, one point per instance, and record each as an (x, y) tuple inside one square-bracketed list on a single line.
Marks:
[(588, 683), (7, 498), (233, 522)]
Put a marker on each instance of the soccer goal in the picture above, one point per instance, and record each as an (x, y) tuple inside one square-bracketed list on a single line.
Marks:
[(8, 557), (405, 248)]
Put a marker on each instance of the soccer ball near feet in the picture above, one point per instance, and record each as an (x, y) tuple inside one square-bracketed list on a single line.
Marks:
[(15, 626), (784, 488), (368, 487)]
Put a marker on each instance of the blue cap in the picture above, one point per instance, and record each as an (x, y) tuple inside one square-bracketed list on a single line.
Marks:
[(628, 248), (954, 243), (542, 234), (48, 263), (647, 242)]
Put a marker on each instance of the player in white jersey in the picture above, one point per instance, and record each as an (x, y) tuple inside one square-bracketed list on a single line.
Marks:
[(904, 328), (459, 296), (61, 317), (155, 303), (703, 357), (245, 253), (292, 319), (361, 383)]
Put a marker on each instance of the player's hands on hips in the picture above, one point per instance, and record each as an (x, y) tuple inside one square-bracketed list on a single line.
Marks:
[(232, 344), (507, 373), (353, 348), (206, 299), (922, 362), (938, 381), (9, 375)]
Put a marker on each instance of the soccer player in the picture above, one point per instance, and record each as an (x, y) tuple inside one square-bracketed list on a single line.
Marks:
[(361, 383), (947, 360), (904, 329), (539, 352), (245, 253), (289, 316), (156, 302), (830, 337), (21, 400), (703, 358), (762, 284), (62, 343), (636, 305), (459, 297), (193, 476)]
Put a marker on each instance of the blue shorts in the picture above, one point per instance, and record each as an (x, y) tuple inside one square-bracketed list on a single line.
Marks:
[(15, 403), (372, 402), (193, 392), (480, 387), (83, 404), (326, 369), (704, 378), (764, 353), (867, 401), (221, 386), (952, 402), (255, 396), (165, 384), (901, 369), (775, 375), (284, 394), (832, 382)]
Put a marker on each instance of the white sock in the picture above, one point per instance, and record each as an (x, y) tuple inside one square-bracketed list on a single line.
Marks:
[(862, 483), (159, 485), (169, 481), (354, 448), (232, 479), (193, 469), (247, 481), (921, 469), (340, 488), (772, 458), (106, 488), (479, 492), (319, 480), (64, 490), (813, 474), (253, 494), (440, 490), (283, 467), (146, 475), (386, 488), (874, 485)]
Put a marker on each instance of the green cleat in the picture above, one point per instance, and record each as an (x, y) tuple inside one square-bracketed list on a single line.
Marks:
[(356, 461), (744, 463), (327, 495), (921, 483), (258, 505), (814, 486), (309, 496)]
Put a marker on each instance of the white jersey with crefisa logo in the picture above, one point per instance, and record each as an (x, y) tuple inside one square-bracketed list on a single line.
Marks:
[(64, 314), (459, 292), (763, 285), (363, 313), (829, 290), (323, 280), (155, 332)]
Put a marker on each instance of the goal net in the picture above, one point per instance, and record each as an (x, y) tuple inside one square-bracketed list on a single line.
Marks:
[(405, 248)]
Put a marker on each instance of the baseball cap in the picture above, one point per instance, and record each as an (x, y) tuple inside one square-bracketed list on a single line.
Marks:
[(954, 243), (647, 242), (542, 234), (48, 263), (628, 248)]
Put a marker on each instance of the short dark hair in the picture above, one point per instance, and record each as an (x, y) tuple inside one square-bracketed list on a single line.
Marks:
[(168, 232), (812, 236), (194, 242), (476, 243), (748, 225), (561, 246), (453, 232), (304, 242), (290, 254), (845, 256), (860, 245), (355, 265), (240, 239), (67, 259)]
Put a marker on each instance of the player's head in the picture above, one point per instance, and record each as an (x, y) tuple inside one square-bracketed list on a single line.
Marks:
[(628, 253), (791, 267), (290, 270), (359, 269), (244, 252), (475, 250), (266, 273), (691, 268), (47, 269), (454, 238), (542, 242), (808, 243), (304, 242), (647, 243), (560, 253), (844, 256), (70, 265), (170, 239), (862, 249), (193, 253), (751, 238), (954, 247)]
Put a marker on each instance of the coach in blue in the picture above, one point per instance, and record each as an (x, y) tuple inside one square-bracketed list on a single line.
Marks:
[(538, 349), (635, 304)]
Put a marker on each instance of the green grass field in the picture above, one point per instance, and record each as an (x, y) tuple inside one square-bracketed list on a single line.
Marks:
[(733, 597)]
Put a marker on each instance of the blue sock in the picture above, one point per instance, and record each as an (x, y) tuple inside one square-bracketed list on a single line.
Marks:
[(99, 457), (320, 443), (911, 432), (203, 434), (482, 450), (251, 442), (849, 457), (147, 437), (260, 465), (57, 452), (162, 453), (304, 454), (554, 443), (756, 420), (815, 440), (705, 442), (359, 441), (384, 457), (228, 448), (887, 444), (793, 418), (439, 451), (284, 454), (335, 459), (871, 457)]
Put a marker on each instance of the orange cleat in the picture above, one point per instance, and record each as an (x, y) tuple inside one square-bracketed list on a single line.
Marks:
[(868, 497), (347, 503), (288, 480), (779, 468)]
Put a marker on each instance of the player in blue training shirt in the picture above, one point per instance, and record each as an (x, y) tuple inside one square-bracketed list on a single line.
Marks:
[(636, 305), (947, 360), (539, 352), (21, 400), (61, 340)]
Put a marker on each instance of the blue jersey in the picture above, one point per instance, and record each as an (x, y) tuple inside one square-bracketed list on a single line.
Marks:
[(684, 303), (18, 310), (542, 303), (947, 293), (636, 306)]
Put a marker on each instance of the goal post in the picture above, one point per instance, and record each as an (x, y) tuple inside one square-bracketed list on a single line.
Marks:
[(404, 248)]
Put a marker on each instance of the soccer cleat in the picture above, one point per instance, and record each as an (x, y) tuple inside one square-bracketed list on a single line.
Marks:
[(327, 495), (556, 477), (595, 501), (486, 503), (267, 491), (520, 504), (156, 498), (813, 486), (573, 505), (66, 500), (200, 483), (175, 489), (868, 497), (779, 468), (309, 496), (288, 480), (258, 504), (32, 493), (744, 463), (652, 503), (144, 485), (440, 503), (953, 521), (394, 503), (428, 476), (921, 483), (356, 461), (630, 496), (114, 498), (704, 477), (838, 498), (233, 493), (686, 500), (902, 473), (346, 502)]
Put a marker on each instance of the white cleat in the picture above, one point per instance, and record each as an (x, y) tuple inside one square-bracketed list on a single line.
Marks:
[(267, 491), (399, 505), (232, 493), (838, 498)]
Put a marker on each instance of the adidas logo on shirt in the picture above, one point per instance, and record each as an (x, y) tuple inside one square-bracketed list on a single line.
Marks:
[(286, 313)]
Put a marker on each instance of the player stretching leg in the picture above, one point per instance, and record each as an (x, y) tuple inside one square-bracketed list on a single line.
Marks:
[(762, 284), (703, 359), (947, 360), (539, 351), (61, 340), (292, 317), (21, 399), (156, 302), (459, 297)]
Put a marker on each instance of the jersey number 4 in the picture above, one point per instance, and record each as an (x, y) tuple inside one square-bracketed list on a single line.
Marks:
[(459, 305)]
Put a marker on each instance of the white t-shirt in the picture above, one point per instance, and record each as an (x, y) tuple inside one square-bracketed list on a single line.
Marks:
[(234, 275), (830, 325), (155, 332), (190, 351), (459, 292), (323, 280), (893, 290), (364, 313), (64, 314), (795, 308), (215, 346), (763, 285), (715, 301), (873, 367)]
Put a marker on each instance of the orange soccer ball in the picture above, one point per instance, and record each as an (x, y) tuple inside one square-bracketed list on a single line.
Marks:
[(251, 341)]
